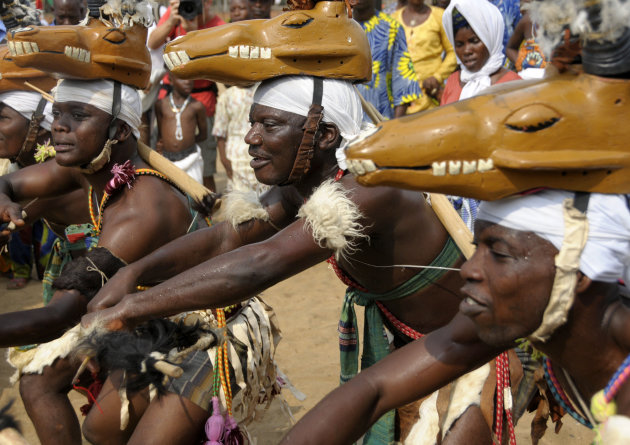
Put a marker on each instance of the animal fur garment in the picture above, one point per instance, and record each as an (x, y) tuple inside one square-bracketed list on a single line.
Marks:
[(551, 17), (465, 392), (33, 361), (333, 218), (239, 207), (89, 273), (136, 352), (18, 13)]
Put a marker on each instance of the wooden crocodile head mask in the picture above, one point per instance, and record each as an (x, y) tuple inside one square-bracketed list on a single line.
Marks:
[(566, 132), (98, 49), (322, 41), (12, 77)]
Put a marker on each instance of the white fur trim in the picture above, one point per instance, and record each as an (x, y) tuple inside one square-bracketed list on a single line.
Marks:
[(35, 360), (426, 429), (466, 392), (333, 218), (239, 207)]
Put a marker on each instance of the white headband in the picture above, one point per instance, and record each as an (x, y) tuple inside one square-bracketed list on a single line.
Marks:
[(605, 257), (25, 103), (100, 93), (294, 94)]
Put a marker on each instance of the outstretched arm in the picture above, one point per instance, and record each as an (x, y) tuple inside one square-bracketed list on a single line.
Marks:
[(221, 281), (408, 374), (189, 251)]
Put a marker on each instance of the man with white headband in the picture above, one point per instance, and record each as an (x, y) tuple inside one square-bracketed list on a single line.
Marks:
[(312, 212), (133, 210), (546, 268)]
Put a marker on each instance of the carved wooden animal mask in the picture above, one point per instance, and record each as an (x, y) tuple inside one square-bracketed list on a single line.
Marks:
[(98, 50), (12, 77), (320, 42), (566, 132)]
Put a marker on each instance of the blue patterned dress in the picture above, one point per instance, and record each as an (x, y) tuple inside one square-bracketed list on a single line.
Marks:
[(393, 77)]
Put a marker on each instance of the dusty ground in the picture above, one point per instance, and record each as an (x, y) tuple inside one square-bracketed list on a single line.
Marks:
[(307, 306)]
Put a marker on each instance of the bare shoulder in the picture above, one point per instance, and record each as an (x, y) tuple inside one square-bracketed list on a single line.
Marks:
[(384, 204), (143, 218)]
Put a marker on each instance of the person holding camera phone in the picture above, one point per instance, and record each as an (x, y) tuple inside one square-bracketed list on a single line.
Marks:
[(183, 16)]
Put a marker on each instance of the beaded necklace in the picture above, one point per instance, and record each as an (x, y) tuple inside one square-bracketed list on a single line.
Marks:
[(113, 185), (560, 396)]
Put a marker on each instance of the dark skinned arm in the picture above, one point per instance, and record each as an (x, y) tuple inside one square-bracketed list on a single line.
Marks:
[(188, 251), (406, 375), (517, 37), (221, 281), (37, 181), (42, 324), (202, 123), (223, 156), (400, 110)]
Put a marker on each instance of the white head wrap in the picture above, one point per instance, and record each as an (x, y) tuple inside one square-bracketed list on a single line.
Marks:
[(100, 93), (25, 103), (486, 20), (294, 94), (605, 257)]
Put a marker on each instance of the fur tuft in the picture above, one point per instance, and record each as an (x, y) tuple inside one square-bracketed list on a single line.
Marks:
[(6, 419), (333, 218), (128, 12), (239, 207), (553, 16)]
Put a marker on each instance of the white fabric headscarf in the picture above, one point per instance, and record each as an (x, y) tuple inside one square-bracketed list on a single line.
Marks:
[(606, 256), (294, 94), (486, 20), (100, 93), (25, 103)]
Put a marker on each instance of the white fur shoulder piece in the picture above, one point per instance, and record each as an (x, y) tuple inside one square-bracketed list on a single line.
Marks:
[(239, 207), (333, 218)]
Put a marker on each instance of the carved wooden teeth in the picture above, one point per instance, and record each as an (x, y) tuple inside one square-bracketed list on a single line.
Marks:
[(20, 48), (80, 54), (360, 167), (441, 168), (249, 52), (175, 59)]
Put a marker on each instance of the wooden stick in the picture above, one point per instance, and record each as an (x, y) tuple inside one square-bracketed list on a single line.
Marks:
[(84, 364), (369, 109), (44, 94), (196, 191), (168, 369), (453, 223)]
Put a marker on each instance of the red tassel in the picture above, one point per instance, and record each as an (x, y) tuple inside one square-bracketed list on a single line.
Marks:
[(122, 175), (215, 425)]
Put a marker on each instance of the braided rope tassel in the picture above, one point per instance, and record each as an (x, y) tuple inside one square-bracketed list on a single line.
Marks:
[(503, 399)]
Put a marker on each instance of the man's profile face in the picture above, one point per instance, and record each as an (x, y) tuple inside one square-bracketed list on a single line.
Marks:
[(260, 9), (273, 141), (508, 283), (68, 12)]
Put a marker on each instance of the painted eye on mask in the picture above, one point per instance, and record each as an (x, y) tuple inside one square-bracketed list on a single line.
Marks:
[(532, 118), (299, 20), (115, 36)]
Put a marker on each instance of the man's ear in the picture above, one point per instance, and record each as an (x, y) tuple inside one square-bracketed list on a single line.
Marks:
[(123, 132), (330, 136), (583, 282)]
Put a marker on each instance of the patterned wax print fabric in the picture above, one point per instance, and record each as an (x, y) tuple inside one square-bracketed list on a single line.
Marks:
[(231, 121), (33, 244), (431, 52), (511, 12), (393, 76)]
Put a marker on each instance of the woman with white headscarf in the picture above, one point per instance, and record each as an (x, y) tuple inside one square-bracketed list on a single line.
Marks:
[(475, 29)]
